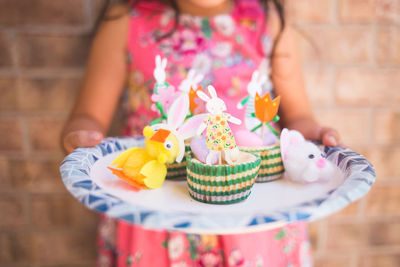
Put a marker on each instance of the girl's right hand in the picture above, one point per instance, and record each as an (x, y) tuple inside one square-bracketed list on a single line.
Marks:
[(81, 138), (81, 131)]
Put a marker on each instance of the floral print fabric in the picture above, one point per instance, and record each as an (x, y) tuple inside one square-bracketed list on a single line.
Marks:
[(219, 135), (226, 49), (280, 247)]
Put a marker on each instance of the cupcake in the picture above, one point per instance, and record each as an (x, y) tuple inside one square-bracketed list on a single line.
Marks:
[(222, 184), (219, 173), (259, 141), (271, 167), (177, 171)]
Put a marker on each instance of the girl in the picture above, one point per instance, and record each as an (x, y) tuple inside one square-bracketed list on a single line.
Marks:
[(224, 40)]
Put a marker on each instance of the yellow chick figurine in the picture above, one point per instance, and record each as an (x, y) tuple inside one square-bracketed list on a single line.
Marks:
[(145, 167)]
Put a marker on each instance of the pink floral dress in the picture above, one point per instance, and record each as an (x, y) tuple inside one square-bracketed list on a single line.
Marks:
[(226, 48)]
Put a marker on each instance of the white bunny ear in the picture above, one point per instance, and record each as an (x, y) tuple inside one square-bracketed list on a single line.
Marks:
[(212, 91), (284, 140), (262, 79), (190, 74), (178, 111), (254, 76), (295, 137), (164, 63), (203, 96), (158, 60), (198, 77), (189, 128), (289, 138)]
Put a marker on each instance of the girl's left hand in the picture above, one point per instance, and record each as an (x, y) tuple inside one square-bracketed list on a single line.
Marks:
[(329, 136), (313, 131)]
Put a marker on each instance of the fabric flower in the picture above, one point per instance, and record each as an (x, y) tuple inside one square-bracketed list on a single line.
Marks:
[(224, 24), (166, 96), (187, 41), (209, 259), (190, 20), (222, 49), (166, 17), (202, 63), (236, 259), (175, 247)]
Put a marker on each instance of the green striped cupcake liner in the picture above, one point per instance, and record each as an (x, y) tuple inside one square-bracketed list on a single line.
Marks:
[(271, 168), (222, 184), (177, 171)]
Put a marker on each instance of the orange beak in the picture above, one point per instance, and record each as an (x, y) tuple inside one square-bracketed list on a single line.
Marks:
[(160, 136)]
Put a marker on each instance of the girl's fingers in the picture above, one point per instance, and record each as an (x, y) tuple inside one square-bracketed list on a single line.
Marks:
[(330, 137), (82, 138)]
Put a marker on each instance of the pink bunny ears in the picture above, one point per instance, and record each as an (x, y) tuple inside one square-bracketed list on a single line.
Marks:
[(176, 116)]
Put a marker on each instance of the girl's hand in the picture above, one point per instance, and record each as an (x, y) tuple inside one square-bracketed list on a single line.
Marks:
[(329, 136), (81, 138), (81, 131), (313, 131)]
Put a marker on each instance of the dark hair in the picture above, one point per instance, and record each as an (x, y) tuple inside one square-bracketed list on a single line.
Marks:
[(278, 4)]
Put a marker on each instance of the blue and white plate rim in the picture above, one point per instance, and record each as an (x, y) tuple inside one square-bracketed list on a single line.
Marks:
[(75, 172)]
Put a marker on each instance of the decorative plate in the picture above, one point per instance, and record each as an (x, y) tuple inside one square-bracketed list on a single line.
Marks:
[(86, 176)]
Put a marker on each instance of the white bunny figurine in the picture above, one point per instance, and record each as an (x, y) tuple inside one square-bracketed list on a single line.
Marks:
[(159, 71), (304, 162), (253, 87), (191, 81), (219, 135), (176, 115)]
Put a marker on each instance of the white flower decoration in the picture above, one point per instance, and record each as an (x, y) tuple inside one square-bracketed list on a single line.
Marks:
[(202, 63), (222, 49), (175, 247), (225, 24)]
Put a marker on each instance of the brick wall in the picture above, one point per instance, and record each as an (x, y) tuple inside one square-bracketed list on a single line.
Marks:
[(351, 54)]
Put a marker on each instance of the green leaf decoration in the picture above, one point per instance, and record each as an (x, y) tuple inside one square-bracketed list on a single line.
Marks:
[(276, 118), (256, 128), (272, 129)]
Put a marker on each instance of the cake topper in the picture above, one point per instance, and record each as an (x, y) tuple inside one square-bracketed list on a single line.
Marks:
[(304, 162), (219, 137), (164, 143), (191, 81), (164, 94), (266, 110)]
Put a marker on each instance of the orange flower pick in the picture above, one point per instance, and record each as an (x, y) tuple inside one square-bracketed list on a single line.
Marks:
[(192, 96), (265, 108)]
